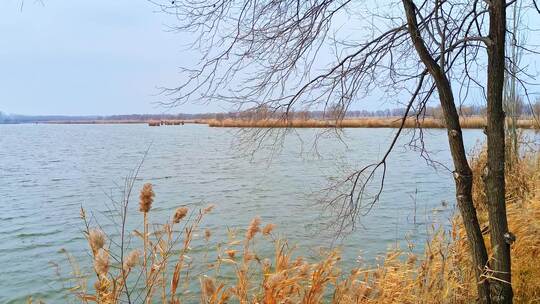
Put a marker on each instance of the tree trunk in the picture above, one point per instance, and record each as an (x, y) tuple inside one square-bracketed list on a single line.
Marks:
[(501, 289), (462, 173)]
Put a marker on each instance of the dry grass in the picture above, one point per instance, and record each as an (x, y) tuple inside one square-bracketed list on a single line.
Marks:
[(386, 122), (443, 274), (521, 176)]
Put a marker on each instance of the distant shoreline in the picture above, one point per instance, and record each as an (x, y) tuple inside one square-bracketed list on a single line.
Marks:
[(104, 122), (386, 122), (368, 122)]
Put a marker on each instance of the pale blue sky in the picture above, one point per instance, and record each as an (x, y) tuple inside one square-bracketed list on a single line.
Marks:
[(87, 57), (100, 57)]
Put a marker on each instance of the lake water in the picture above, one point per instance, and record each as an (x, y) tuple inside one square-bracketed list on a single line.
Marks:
[(48, 171)]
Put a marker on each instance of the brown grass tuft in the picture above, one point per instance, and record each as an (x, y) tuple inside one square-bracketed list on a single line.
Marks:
[(520, 177)]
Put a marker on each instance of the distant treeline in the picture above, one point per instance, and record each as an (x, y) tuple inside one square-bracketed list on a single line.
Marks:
[(524, 110), (15, 118), (263, 113)]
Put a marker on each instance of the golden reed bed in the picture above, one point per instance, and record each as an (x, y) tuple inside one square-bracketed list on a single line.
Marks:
[(466, 123)]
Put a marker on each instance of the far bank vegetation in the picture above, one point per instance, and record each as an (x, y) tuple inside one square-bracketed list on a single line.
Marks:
[(471, 117)]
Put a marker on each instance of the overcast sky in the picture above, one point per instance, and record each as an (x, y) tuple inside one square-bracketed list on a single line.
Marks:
[(75, 57), (87, 57)]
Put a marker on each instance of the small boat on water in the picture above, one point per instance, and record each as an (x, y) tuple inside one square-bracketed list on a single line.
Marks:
[(166, 123)]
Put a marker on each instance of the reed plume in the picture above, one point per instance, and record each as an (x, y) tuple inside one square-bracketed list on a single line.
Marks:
[(208, 209), (268, 229), (132, 260), (179, 214), (253, 228), (146, 198), (96, 238)]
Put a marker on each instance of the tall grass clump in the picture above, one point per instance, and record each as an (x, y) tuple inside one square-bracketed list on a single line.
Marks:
[(162, 268), (521, 173)]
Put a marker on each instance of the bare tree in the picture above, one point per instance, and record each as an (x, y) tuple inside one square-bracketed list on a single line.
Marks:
[(270, 54), (494, 174)]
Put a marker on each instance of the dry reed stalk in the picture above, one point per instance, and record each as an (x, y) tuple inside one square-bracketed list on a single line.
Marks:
[(146, 198), (188, 238)]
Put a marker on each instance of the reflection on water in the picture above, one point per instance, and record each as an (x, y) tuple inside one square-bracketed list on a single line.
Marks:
[(48, 171)]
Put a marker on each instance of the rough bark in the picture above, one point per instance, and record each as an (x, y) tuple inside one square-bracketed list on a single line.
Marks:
[(501, 289), (462, 173)]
